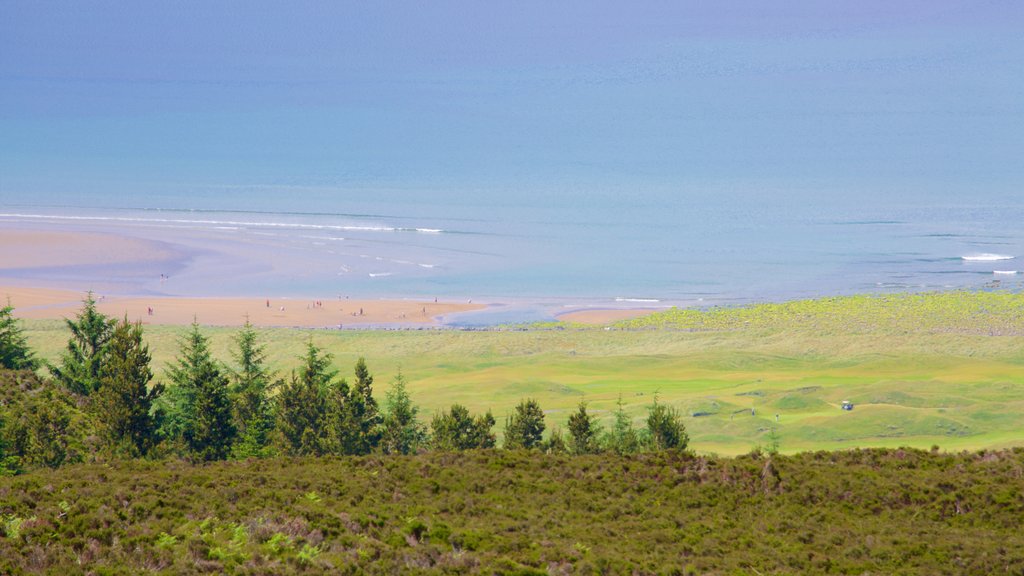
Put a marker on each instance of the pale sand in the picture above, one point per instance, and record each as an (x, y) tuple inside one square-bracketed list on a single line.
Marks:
[(27, 249), (601, 317), (48, 303)]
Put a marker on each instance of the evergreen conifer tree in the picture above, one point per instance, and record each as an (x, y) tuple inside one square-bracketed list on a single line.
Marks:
[(79, 369), (200, 408), (623, 438), (456, 429), (584, 432), (403, 433), (15, 353), (360, 419), (212, 432), (665, 427), (123, 402), (250, 390), (524, 428), (307, 405)]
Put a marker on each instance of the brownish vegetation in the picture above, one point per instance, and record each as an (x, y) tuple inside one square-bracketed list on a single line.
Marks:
[(519, 512)]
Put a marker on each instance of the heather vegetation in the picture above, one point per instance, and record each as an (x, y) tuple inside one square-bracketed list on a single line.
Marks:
[(524, 512)]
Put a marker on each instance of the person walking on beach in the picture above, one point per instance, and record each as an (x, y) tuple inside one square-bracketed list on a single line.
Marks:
[(268, 302)]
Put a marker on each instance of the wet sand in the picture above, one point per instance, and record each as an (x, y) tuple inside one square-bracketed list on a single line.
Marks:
[(35, 249), (46, 273)]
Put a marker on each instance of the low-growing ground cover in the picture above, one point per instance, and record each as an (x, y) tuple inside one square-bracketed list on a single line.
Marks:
[(921, 369), (896, 511)]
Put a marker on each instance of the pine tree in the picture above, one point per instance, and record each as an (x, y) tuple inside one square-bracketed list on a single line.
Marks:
[(623, 438), (251, 387), (584, 432), (212, 432), (308, 404), (665, 427), (123, 402), (456, 429), (199, 410), (403, 433), (525, 427), (15, 353), (79, 370), (360, 418)]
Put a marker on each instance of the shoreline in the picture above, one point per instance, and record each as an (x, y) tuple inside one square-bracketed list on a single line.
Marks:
[(40, 303), (156, 278), (47, 303)]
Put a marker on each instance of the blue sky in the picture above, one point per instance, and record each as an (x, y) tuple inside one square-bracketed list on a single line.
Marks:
[(858, 99)]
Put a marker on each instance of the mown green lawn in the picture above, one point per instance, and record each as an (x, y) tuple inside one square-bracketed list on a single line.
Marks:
[(945, 369)]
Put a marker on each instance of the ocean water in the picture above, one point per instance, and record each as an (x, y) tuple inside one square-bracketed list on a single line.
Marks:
[(537, 253)]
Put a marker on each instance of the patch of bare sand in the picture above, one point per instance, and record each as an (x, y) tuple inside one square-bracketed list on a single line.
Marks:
[(601, 317), (47, 303), (25, 249)]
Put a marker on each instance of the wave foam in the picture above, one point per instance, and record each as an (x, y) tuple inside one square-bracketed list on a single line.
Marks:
[(647, 300), (986, 257), (223, 223)]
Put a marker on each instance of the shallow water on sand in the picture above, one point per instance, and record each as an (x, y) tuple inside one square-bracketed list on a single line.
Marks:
[(643, 249)]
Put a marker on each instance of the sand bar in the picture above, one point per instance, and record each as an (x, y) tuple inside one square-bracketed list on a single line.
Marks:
[(28, 249), (600, 317), (50, 303)]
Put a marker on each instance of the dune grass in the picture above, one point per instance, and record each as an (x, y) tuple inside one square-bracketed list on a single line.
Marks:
[(945, 369)]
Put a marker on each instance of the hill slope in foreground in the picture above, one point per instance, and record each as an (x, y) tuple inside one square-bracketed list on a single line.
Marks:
[(862, 511)]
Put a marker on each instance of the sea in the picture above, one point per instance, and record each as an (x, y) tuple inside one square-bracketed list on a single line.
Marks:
[(532, 254)]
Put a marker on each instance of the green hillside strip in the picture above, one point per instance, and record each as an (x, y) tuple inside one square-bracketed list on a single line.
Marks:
[(499, 512), (956, 356)]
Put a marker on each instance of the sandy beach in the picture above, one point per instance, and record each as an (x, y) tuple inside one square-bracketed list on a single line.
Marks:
[(158, 277), (50, 303), (599, 317), (45, 273)]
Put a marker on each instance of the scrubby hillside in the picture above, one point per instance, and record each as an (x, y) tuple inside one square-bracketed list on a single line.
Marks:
[(874, 511)]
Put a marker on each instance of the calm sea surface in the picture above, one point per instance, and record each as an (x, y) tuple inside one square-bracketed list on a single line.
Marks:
[(628, 248)]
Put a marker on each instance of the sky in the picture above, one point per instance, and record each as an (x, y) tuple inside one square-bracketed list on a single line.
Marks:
[(862, 100)]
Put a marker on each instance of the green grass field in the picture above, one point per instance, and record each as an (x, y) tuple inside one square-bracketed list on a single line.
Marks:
[(945, 369)]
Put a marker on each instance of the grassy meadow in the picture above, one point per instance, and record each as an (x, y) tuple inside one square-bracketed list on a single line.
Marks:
[(941, 369)]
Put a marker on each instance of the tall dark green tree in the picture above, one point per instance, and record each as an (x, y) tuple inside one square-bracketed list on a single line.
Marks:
[(456, 429), (123, 402), (359, 419), (304, 414), (403, 433), (201, 406), (584, 432), (623, 437), (79, 369), (251, 386), (15, 353), (524, 428), (665, 427), (212, 432)]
